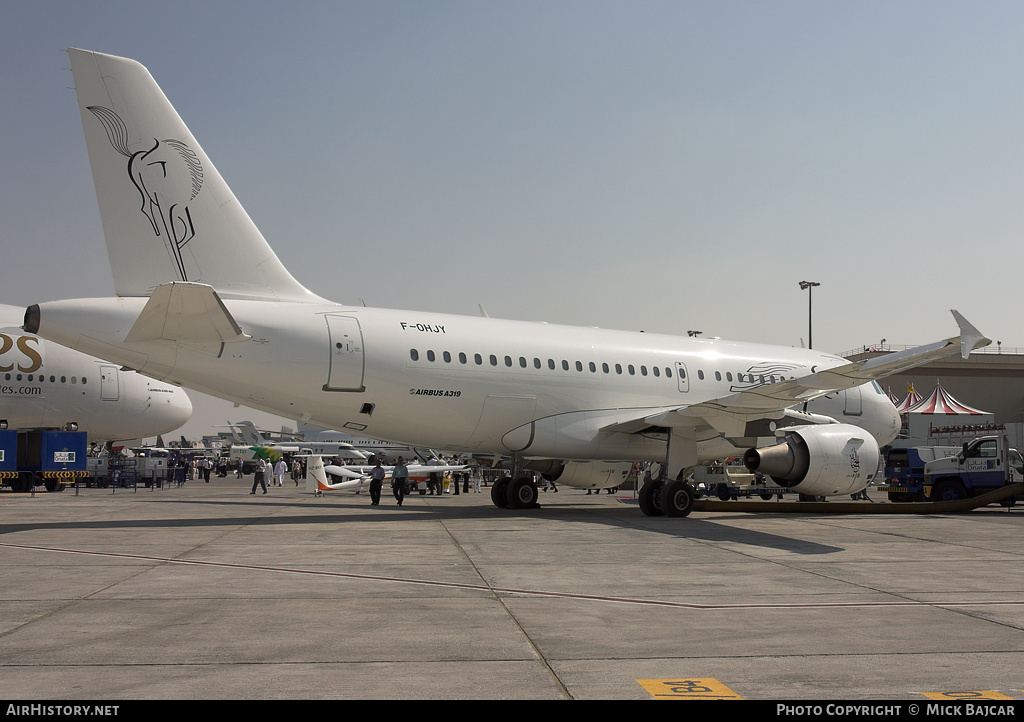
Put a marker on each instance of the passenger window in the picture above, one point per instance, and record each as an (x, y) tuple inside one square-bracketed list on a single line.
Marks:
[(479, 359), (430, 356), (462, 358), (447, 357), (414, 354)]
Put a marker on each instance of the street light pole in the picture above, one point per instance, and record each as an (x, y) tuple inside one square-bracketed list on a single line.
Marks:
[(809, 285)]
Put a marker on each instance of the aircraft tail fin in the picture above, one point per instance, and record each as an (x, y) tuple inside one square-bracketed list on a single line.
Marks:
[(316, 477), (250, 434), (167, 213)]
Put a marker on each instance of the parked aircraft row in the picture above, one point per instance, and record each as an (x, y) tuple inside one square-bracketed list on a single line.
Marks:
[(203, 301), (45, 385)]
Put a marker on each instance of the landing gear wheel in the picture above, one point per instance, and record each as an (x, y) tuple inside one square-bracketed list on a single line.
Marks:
[(650, 499), (522, 493), (677, 498), (498, 496)]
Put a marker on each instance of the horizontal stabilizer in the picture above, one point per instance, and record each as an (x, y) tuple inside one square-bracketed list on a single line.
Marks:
[(185, 313)]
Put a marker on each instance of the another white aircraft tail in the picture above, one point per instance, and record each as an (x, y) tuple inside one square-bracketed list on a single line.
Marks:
[(167, 213), (249, 434), (316, 477)]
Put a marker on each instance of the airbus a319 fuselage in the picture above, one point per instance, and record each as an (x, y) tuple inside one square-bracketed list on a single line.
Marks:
[(203, 301), (472, 384)]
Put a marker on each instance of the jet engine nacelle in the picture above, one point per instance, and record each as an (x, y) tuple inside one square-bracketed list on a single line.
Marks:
[(819, 460), (583, 474)]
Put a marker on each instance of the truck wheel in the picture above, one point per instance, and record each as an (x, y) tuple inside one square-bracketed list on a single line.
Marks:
[(723, 492), (949, 490)]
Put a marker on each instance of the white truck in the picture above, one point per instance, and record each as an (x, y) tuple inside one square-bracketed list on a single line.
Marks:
[(984, 464)]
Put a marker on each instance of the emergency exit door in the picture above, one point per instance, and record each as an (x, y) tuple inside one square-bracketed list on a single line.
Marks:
[(109, 388), (346, 339)]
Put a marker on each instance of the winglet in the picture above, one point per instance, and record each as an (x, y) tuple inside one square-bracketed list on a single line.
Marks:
[(970, 337)]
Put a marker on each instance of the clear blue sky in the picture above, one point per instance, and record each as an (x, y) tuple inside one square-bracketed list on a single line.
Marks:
[(664, 166)]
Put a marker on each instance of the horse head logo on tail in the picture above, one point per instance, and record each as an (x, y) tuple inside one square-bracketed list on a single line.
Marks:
[(168, 177)]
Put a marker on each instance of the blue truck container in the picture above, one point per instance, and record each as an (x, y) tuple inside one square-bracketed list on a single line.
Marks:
[(44, 458)]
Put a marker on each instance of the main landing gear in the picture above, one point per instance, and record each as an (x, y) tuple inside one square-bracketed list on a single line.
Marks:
[(667, 498), (518, 493)]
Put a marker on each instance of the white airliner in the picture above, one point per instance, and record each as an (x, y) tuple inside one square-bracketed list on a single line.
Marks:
[(46, 386), (203, 301), (336, 443), (253, 443)]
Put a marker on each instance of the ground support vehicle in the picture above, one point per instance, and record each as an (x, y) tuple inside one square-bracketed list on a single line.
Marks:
[(904, 470), (51, 459), (731, 481), (984, 464)]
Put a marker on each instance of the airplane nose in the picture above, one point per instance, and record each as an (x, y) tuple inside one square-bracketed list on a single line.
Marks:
[(176, 408), (182, 404)]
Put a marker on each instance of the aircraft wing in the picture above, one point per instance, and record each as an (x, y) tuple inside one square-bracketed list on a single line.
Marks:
[(363, 472), (730, 414)]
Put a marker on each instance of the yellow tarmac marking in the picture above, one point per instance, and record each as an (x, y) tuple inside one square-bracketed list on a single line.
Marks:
[(965, 696), (687, 688)]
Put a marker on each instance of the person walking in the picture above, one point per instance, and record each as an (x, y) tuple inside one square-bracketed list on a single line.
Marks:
[(280, 469), (260, 475), (377, 475), (399, 478)]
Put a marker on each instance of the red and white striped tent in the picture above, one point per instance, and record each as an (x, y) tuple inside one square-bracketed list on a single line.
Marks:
[(940, 402), (909, 400), (939, 409)]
